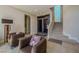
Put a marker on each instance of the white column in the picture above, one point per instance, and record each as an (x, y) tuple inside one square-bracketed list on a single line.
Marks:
[(50, 26)]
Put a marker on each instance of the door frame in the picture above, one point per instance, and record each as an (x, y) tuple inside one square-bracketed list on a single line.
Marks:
[(43, 18), (26, 24), (6, 27), (60, 15)]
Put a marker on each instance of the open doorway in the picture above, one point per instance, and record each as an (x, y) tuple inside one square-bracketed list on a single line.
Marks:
[(27, 24), (7, 29), (58, 18), (42, 23), (58, 23), (58, 13)]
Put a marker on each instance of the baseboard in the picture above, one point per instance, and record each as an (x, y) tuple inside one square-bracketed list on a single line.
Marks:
[(71, 37), (66, 34), (74, 38)]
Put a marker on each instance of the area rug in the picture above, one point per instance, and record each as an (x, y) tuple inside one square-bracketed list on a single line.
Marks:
[(55, 41)]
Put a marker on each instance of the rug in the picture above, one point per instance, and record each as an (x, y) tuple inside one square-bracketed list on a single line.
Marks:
[(55, 41)]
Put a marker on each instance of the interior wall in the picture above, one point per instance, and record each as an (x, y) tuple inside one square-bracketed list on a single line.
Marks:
[(18, 20), (1, 31), (71, 21), (33, 25), (16, 16)]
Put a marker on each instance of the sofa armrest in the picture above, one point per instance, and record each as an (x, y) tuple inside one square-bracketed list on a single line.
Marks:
[(23, 42), (14, 40), (41, 46)]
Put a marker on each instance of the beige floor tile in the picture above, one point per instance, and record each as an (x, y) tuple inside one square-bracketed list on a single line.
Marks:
[(64, 48)]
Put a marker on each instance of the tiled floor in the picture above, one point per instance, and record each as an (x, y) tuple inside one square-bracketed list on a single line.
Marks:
[(52, 47), (66, 47), (7, 49)]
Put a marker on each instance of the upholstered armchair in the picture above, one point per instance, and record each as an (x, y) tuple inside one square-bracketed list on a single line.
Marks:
[(38, 48), (14, 39)]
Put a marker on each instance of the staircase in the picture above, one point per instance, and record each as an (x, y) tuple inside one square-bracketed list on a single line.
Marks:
[(57, 33), (55, 30)]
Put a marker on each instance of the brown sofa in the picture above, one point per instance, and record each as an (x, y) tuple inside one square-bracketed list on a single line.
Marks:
[(14, 39), (26, 48)]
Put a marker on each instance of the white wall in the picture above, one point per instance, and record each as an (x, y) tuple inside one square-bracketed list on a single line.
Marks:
[(51, 24), (33, 25), (10, 13), (18, 19), (71, 21)]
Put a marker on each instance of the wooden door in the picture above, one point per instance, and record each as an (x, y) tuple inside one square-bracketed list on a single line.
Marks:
[(6, 32)]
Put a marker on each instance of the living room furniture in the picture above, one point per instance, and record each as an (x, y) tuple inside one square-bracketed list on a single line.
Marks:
[(10, 36), (38, 48), (14, 39)]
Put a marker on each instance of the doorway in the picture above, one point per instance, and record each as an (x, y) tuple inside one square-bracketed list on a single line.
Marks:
[(57, 31), (42, 23), (7, 29), (27, 24), (58, 17)]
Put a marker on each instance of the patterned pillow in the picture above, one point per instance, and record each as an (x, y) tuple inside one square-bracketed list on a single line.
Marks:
[(34, 40)]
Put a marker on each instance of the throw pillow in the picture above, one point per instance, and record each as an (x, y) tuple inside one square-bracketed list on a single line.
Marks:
[(34, 40)]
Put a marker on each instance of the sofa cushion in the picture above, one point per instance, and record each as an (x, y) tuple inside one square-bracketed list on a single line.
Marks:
[(27, 49), (34, 40), (21, 34)]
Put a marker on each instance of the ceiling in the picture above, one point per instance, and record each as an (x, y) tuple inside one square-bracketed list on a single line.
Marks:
[(34, 9)]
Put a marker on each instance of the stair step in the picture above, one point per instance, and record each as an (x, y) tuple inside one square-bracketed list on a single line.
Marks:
[(56, 33)]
